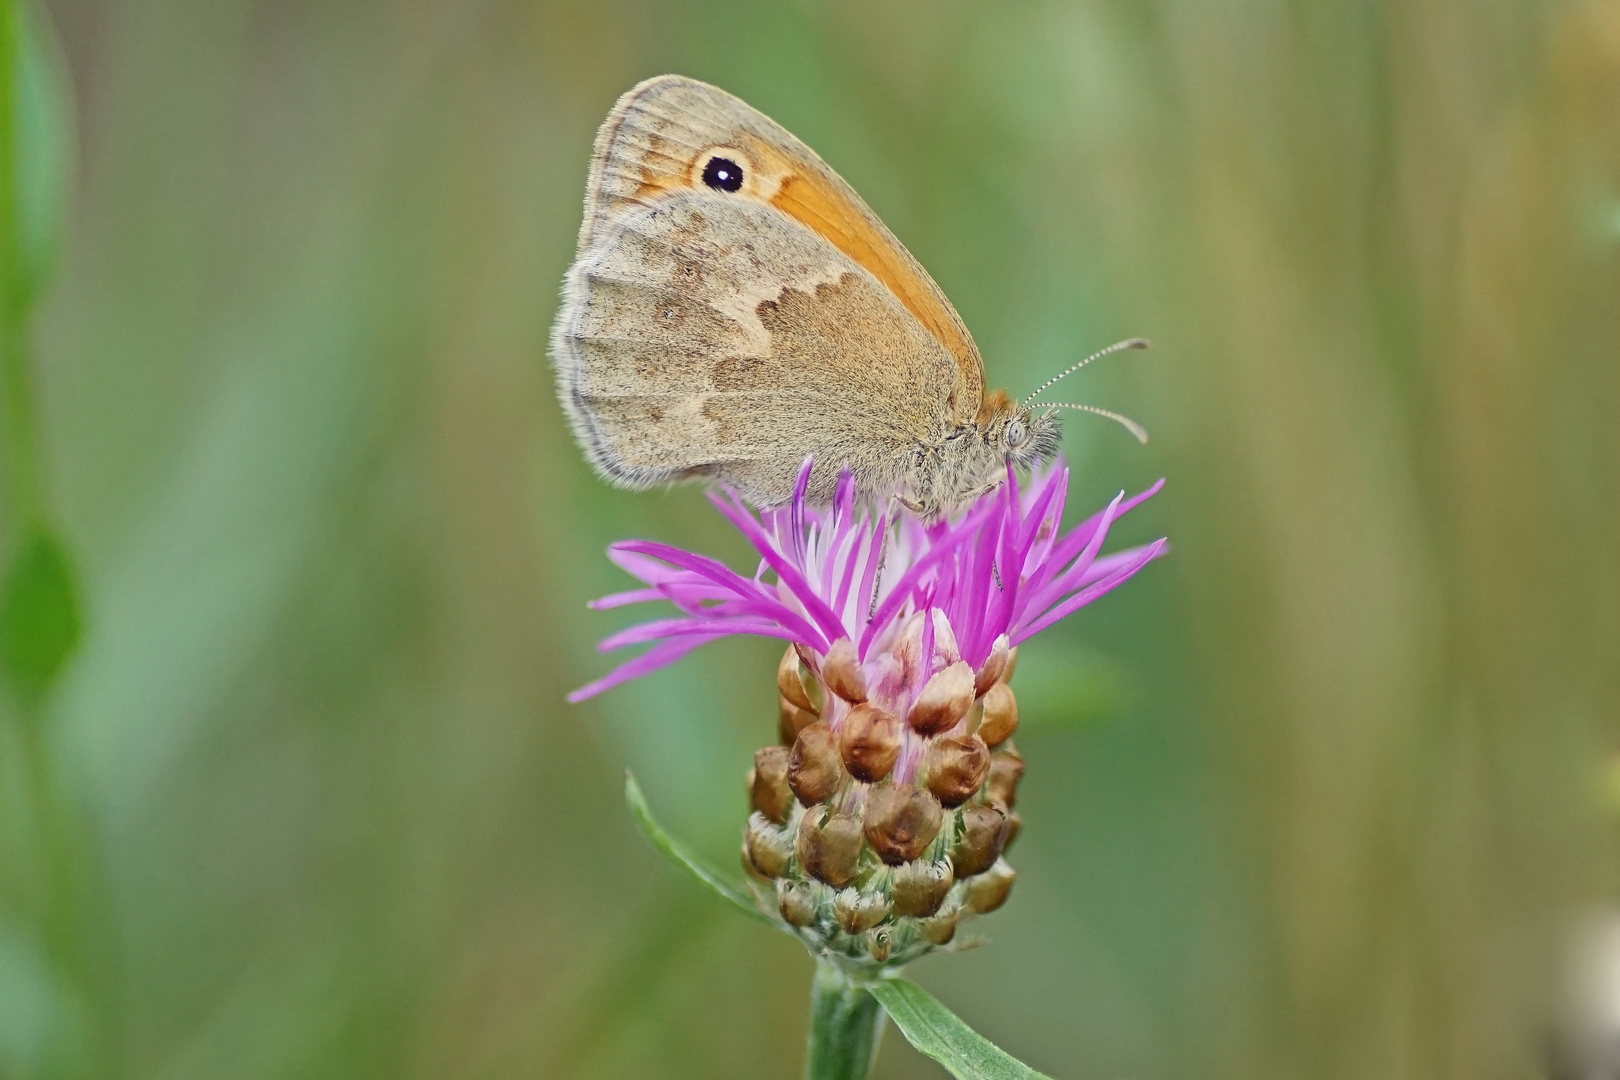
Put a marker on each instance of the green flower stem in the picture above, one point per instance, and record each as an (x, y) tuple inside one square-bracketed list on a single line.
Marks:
[(846, 1022)]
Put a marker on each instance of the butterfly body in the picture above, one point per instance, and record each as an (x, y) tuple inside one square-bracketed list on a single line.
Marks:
[(734, 307)]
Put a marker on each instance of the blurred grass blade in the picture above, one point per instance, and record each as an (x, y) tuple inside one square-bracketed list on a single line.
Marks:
[(41, 153), (936, 1031), (39, 615), (681, 856), (33, 185), (38, 1025)]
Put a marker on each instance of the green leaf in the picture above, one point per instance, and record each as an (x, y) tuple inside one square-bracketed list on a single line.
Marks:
[(682, 856), (936, 1031), (42, 159), (39, 615)]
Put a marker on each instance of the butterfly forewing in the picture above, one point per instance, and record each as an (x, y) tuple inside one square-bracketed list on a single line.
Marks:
[(705, 338), (734, 306), (660, 133)]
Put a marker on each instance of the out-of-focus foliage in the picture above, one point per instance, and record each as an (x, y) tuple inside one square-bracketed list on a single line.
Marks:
[(1316, 796), (39, 623), (39, 617), (39, 131)]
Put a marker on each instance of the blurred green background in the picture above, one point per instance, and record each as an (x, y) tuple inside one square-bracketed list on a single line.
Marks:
[(1317, 797)]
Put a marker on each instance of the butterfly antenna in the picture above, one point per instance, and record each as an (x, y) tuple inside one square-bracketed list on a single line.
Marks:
[(1118, 346), (1123, 421)]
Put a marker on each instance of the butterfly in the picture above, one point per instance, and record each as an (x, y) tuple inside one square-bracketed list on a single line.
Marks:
[(734, 308)]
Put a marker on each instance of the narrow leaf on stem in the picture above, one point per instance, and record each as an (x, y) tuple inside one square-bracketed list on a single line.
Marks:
[(683, 857), (936, 1031)]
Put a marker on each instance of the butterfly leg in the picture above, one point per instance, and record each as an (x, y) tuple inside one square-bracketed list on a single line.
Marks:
[(980, 492), (883, 549)]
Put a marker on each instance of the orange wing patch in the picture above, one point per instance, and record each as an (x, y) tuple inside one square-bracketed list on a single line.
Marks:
[(823, 209)]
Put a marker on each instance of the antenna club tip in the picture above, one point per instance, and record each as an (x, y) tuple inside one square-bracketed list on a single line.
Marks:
[(1138, 343)]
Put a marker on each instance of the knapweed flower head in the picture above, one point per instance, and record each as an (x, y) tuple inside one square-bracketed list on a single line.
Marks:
[(881, 817)]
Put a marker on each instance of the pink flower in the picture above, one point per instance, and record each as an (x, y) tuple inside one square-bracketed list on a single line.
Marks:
[(963, 591)]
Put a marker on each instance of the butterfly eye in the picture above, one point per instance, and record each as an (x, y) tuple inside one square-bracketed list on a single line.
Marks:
[(1016, 433), (723, 174)]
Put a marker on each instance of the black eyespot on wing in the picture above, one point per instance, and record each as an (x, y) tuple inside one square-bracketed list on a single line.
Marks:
[(723, 174)]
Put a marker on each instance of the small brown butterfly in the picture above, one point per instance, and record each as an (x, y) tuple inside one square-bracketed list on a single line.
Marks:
[(734, 307)]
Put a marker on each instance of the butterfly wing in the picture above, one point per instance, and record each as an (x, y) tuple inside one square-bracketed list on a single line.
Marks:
[(727, 333)]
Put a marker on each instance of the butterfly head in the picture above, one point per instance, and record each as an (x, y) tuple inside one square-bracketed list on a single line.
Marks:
[(1013, 434), (1029, 439)]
